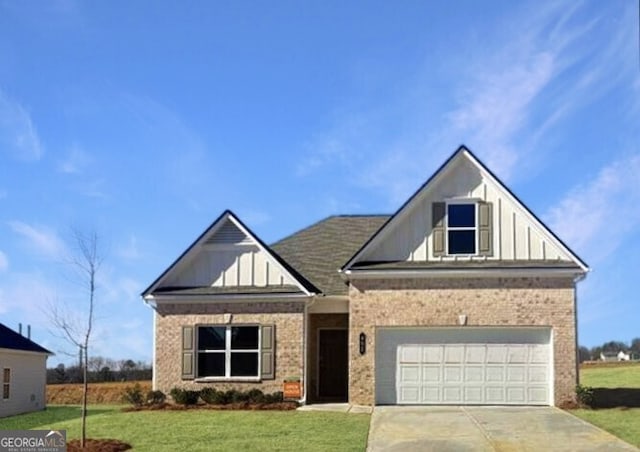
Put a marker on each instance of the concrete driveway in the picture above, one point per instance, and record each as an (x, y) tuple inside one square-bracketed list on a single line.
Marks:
[(454, 428)]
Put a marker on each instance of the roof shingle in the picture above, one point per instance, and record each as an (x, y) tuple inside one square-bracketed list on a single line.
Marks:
[(15, 341), (318, 251)]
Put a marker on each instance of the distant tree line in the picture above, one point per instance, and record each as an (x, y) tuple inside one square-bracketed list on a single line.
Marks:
[(100, 369), (593, 353)]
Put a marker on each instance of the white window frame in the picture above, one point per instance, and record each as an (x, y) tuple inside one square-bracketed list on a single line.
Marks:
[(447, 228), (227, 352), (6, 383)]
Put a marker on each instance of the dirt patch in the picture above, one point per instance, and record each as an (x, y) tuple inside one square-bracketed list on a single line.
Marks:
[(71, 394), (97, 445)]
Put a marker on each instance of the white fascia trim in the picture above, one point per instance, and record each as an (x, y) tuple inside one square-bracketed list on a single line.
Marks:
[(463, 273), (159, 299)]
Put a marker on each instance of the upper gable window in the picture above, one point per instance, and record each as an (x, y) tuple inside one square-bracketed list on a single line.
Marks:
[(461, 228)]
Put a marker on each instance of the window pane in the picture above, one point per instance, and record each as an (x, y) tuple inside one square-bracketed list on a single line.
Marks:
[(462, 215), (462, 242), (5, 391), (210, 364), (244, 364), (211, 337), (244, 338), (6, 378)]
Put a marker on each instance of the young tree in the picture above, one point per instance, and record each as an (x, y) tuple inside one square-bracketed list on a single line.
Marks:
[(85, 261)]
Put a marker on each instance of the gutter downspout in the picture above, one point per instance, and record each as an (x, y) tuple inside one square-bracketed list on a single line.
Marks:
[(305, 335), (576, 280)]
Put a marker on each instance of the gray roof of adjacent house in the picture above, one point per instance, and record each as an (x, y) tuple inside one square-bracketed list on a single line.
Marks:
[(14, 341), (318, 251)]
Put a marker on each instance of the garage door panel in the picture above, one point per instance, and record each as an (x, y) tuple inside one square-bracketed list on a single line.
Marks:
[(431, 374), (516, 374), (452, 394), (416, 366), (473, 374), (517, 354), (452, 374), (454, 354), (475, 354), (409, 373), (432, 354), (496, 354)]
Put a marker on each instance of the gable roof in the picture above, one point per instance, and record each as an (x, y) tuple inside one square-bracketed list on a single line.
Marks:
[(461, 152), (319, 250), (304, 285), (14, 341)]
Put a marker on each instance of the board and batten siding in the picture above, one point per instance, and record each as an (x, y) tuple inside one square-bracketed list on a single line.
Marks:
[(515, 235)]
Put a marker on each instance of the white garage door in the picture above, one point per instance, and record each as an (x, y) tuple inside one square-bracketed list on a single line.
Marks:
[(480, 366)]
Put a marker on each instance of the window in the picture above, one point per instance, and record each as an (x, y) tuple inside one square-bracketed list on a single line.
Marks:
[(461, 228), (6, 383), (228, 351)]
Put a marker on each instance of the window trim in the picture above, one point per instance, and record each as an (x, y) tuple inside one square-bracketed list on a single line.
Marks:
[(6, 384), (228, 352), (475, 228)]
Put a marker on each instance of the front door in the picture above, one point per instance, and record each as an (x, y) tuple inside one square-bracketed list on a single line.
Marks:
[(333, 365)]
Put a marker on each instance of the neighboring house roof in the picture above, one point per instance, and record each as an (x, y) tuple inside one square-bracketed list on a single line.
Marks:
[(14, 341), (319, 250)]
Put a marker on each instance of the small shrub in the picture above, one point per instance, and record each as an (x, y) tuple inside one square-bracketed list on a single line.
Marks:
[(155, 397), (275, 397), (133, 395), (255, 396), (184, 396), (211, 396), (234, 396), (585, 395)]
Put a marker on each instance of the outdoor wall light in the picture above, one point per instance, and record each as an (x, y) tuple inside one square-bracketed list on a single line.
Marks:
[(363, 343)]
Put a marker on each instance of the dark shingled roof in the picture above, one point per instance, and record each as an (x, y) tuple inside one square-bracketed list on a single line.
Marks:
[(14, 341), (318, 251)]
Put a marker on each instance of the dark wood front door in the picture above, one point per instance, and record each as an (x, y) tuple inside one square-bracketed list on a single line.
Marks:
[(333, 364)]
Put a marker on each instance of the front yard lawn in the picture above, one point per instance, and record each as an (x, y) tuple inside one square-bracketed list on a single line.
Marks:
[(206, 430), (621, 422)]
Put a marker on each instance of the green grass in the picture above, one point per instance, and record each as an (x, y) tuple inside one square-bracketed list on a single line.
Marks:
[(623, 423), (618, 376), (206, 430)]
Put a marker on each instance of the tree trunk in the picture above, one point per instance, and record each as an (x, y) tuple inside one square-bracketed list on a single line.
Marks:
[(85, 390)]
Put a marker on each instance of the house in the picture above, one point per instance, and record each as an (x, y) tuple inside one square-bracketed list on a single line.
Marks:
[(23, 364), (613, 356), (463, 296)]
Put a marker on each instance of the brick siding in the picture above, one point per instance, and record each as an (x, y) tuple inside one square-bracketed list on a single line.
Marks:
[(288, 318), (486, 302)]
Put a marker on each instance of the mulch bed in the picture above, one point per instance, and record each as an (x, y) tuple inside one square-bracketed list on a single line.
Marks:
[(97, 445), (281, 406)]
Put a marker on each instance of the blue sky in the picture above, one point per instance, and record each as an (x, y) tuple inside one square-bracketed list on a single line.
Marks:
[(145, 120)]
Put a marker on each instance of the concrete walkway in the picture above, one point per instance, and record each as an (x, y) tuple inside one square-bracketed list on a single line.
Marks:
[(453, 428), (337, 407)]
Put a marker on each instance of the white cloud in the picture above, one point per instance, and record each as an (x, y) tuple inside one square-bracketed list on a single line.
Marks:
[(18, 135), (40, 239), (603, 207), (129, 250), (75, 161), (4, 262)]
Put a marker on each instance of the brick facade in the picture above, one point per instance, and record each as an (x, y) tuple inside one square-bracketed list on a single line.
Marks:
[(288, 318), (438, 302)]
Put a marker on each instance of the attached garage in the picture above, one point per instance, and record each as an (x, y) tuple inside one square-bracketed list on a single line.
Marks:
[(464, 366)]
